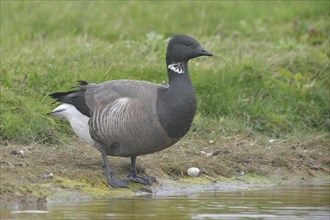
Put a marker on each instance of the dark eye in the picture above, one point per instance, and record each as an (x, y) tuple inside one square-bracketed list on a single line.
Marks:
[(187, 44)]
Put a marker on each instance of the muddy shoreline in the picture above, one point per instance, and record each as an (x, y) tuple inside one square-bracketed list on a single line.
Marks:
[(164, 187), (36, 175)]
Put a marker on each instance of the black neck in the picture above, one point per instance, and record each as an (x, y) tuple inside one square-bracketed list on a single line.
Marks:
[(176, 105)]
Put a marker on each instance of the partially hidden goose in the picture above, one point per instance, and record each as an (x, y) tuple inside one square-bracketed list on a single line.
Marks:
[(129, 118)]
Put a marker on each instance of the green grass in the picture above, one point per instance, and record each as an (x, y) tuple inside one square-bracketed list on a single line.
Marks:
[(270, 72)]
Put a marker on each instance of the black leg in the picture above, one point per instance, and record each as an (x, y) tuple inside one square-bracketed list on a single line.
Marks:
[(113, 181), (133, 167), (148, 180)]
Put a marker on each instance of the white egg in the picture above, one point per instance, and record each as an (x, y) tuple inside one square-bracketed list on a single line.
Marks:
[(193, 171)]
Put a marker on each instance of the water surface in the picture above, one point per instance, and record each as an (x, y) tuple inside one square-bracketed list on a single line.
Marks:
[(285, 202)]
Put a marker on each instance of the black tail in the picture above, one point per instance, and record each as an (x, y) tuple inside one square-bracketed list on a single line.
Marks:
[(75, 98)]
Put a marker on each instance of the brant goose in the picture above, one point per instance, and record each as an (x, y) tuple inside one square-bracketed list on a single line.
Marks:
[(129, 118)]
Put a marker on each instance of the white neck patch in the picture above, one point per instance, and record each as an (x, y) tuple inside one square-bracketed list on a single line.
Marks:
[(176, 67)]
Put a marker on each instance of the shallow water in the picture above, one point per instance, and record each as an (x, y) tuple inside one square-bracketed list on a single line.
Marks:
[(290, 202)]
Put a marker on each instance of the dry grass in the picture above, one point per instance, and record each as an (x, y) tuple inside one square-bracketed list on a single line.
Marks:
[(248, 153)]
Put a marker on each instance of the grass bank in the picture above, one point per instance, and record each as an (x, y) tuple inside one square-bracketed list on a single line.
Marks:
[(263, 99), (270, 73)]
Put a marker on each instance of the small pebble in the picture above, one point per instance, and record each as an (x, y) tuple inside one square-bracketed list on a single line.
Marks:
[(48, 176), (193, 171), (215, 153), (17, 152), (209, 154), (241, 173), (20, 152), (271, 140)]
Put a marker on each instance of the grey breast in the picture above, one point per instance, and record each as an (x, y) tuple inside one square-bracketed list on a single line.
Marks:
[(124, 119)]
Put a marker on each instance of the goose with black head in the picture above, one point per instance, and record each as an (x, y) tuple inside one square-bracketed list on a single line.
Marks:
[(129, 118)]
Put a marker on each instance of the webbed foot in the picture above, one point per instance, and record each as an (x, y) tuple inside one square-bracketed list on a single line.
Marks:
[(116, 182), (147, 180)]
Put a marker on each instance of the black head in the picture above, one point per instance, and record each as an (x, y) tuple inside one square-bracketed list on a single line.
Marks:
[(183, 48)]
